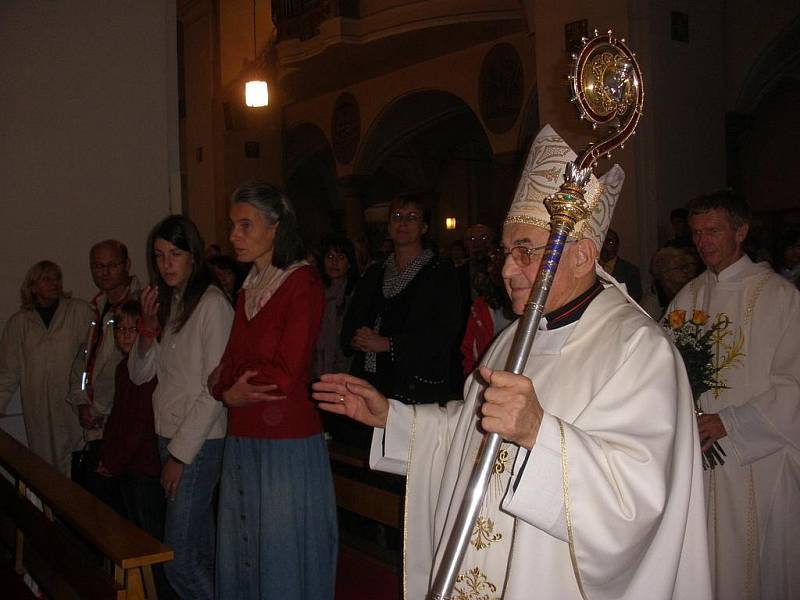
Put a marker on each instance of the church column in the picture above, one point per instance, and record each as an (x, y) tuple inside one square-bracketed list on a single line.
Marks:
[(349, 203)]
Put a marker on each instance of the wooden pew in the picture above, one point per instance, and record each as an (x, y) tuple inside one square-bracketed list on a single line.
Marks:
[(130, 551), (358, 496), (45, 550)]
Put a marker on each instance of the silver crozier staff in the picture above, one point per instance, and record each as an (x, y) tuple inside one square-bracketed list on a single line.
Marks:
[(607, 87)]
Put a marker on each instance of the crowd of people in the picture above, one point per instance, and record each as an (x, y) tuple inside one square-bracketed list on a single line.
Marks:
[(186, 404)]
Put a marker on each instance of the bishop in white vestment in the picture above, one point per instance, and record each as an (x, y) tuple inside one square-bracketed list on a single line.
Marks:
[(754, 498), (597, 492)]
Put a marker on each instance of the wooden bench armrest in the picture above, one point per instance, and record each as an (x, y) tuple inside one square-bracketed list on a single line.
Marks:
[(12, 583), (348, 455), (49, 552), (117, 538)]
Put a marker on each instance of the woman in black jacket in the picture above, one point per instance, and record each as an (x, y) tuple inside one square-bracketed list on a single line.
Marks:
[(405, 316)]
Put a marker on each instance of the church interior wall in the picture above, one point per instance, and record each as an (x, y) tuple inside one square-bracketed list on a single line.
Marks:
[(769, 176), (687, 107), (750, 28), (88, 141), (199, 155), (455, 73), (552, 67)]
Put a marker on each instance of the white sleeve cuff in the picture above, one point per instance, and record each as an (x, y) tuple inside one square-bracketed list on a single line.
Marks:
[(389, 450), (536, 493), (749, 433), (142, 369)]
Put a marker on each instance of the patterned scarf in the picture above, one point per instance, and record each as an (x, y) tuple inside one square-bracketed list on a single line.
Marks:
[(260, 286), (394, 282)]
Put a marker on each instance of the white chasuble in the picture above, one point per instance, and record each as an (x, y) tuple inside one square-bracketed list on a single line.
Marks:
[(753, 500), (607, 505)]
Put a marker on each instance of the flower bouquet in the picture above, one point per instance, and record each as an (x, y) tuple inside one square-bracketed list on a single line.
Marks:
[(694, 342)]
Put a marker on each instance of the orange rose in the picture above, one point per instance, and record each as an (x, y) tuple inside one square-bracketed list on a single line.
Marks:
[(677, 318), (699, 317)]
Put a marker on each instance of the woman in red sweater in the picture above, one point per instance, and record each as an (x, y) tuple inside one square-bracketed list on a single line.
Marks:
[(277, 514)]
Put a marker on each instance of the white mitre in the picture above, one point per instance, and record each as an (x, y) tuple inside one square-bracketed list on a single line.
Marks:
[(543, 175)]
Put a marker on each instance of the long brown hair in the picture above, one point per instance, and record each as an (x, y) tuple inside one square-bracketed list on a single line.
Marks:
[(181, 233)]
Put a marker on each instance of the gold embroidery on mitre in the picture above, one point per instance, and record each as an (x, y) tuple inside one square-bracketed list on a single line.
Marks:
[(484, 535), (551, 174), (476, 586), (554, 149)]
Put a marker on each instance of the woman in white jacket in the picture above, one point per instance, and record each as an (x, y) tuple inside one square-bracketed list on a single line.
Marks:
[(37, 349), (184, 328)]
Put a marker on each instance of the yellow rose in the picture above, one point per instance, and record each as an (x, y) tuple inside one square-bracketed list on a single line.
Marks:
[(699, 317), (677, 318)]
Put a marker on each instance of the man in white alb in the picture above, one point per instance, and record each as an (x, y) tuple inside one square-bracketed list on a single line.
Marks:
[(597, 492), (753, 500)]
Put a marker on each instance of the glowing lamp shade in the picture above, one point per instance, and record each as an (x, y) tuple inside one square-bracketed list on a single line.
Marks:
[(256, 94), (450, 222)]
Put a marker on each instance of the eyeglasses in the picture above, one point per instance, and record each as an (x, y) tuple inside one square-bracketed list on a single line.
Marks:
[(126, 330), (683, 268), (110, 266), (334, 256), (478, 238), (397, 217), (521, 254)]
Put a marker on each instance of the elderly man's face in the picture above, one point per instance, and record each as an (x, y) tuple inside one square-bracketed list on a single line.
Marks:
[(519, 278)]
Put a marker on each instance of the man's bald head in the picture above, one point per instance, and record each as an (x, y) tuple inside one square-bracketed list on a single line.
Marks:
[(115, 246), (110, 266)]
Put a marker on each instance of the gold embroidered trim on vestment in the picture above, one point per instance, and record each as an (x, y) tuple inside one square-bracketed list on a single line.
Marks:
[(478, 586), (502, 466), (483, 535), (751, 537), (748, 312), (567, 508), (405, 503)]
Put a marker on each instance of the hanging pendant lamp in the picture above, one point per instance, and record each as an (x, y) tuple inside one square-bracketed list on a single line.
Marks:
[(256, 90)]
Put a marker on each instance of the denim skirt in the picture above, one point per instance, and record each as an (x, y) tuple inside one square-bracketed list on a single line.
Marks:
[(277, 534)]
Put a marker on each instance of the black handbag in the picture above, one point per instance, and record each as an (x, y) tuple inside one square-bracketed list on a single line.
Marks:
[(84, 462)]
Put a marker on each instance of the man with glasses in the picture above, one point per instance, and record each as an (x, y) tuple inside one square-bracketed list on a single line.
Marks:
[(92, 380), (597, 491)]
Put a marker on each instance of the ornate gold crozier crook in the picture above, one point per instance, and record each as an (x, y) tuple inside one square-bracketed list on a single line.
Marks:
[(607, 88)]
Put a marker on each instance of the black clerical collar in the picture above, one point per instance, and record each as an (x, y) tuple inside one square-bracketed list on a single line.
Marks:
[(574, 309)]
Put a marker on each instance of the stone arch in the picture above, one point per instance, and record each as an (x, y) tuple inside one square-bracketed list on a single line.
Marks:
[(429, 142), (761, 139), (779, 60)]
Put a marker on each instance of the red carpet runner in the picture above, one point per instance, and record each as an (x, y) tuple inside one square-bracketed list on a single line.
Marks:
[(360, 577)]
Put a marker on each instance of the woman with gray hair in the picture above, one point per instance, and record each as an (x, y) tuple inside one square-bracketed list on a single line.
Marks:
[(38, 346), (277, 509)]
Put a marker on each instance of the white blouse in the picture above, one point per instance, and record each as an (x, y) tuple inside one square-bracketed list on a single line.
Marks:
[(184, 410)]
